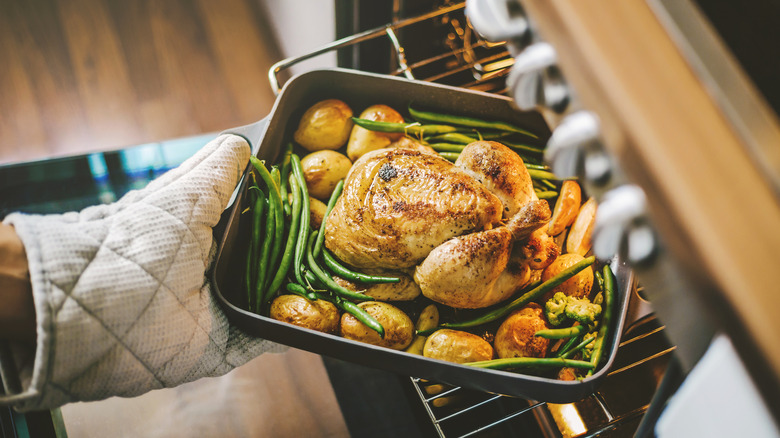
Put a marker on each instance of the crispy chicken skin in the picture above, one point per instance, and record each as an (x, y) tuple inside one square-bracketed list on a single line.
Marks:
[(399, 204), (502, 171), (477, 270)]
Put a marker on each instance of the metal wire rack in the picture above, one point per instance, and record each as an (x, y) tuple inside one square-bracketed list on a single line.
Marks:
[(468, 61)]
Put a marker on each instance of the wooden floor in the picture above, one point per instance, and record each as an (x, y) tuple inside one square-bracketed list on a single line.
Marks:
[(86, 75)]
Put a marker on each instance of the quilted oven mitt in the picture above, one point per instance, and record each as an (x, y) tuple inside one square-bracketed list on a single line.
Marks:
[(122, 299)]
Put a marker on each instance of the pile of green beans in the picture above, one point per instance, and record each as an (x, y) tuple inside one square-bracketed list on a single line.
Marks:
[(291, 250), (449, 135)]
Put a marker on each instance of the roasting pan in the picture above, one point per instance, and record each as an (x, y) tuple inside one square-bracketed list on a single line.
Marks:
[(270, 135)]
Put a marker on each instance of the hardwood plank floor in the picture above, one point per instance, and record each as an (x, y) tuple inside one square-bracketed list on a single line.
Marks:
[(87, 75)]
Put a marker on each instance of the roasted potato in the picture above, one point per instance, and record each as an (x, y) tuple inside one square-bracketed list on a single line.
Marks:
[(317, 315), (362, 140), (399, 328), (578, 240), (515, 337), (457, 346), (325, 125), (566, 207), (578, 286), (428, 319), (323, 170), (317, 209)]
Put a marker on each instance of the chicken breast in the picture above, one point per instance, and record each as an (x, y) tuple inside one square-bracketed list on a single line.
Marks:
[(477, 270), (501, 170), (399, 204)]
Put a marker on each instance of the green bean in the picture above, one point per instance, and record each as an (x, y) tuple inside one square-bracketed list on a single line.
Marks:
[(567, 346), (549, 185), (452, 137), (471, 122), (342, 271), (312, 282), (299, 290), (536, 166), (522, 147), (542, 174), (546, 194), (415, 129), (450, 156), (561, 333), (276, 249), (447, 147), (360, 314), (606, 317), (525, 362), (524, 299), (584, 343), (323, 277), (289, 249), (303, 233), (285, 173), (263, 260), (331, 202), (274, 199), (258, 205)]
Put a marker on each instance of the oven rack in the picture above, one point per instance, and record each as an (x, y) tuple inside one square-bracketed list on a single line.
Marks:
[(642, 358), (469, 62), (644, 352)]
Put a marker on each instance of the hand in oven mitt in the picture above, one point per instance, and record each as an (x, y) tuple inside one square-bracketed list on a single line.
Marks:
[(122, 299)]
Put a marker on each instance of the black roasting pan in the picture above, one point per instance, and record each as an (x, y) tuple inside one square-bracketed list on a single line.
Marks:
[(359, 89)]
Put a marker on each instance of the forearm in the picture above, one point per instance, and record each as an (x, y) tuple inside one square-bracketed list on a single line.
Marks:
[(17, 311)]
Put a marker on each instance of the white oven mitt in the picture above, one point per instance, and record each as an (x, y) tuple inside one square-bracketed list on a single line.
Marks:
[(122, 299)]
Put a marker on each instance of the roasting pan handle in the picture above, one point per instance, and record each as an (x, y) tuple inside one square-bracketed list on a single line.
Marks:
[(253, 133)]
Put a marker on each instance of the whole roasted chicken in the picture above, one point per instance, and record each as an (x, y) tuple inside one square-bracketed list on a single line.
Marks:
[(469, 229)]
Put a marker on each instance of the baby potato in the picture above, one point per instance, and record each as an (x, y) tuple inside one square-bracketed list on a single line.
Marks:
[(515, 337), (578, 286), (362, 140), (323, 170), (457, 346), (317, 209), (399, 328), (325, 125), (317, 315)]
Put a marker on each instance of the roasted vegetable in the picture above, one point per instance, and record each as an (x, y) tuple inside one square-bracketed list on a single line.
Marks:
[(428, 319), (325, 125), (561, 307), (577, 286), (566, 207), (515, 337), (362, 140), (398, 327), (457, 346), (578, 240), (323, 170), (317, 315)]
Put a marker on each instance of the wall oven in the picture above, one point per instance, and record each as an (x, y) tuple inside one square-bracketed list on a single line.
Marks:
[(667, 112)]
